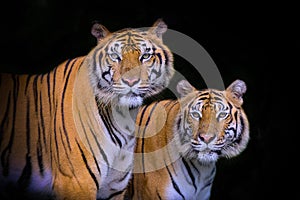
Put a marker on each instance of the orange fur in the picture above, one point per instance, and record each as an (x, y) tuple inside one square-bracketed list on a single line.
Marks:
[(66, 134)]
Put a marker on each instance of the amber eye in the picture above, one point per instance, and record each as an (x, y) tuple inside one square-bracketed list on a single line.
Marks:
[(222, 115), (145, 56), (114, 57), (195, 115)]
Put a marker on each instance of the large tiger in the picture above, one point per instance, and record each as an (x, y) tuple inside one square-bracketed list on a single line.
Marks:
[(68, 134), (179, 142)]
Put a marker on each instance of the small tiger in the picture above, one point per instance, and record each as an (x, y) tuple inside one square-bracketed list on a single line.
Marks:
[(69, 133), (179, 142)]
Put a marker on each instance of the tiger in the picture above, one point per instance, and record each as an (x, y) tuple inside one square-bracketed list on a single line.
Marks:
[(69, 133), (180, 140)]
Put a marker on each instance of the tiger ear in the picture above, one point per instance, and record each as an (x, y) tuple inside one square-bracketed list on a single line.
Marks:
[(99, 31), (184, 88), (158, 28), (235, 92)]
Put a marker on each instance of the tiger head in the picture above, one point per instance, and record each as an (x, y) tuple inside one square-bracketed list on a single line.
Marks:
[(130, 64), (212, 123)]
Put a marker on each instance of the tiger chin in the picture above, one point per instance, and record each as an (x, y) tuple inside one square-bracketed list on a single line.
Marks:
[(68, 133), (180, 141)]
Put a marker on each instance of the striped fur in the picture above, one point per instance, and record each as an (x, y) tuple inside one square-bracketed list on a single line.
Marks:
[(179, 142), (68, 134)]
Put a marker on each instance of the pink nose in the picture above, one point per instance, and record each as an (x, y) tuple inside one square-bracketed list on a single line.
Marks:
[(207, 137), (130, 81)]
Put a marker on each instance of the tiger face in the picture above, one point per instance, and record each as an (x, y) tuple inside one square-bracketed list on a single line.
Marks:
[(130, 65), (213, 122)]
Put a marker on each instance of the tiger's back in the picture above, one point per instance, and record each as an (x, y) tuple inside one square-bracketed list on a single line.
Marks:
[(30, 117)]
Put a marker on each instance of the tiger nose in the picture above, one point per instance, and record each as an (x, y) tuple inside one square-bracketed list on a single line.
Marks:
[(130, 81), (207, 137)]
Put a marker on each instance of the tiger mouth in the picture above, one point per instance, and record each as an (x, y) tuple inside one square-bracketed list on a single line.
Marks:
[(208, 151), (133, 95)]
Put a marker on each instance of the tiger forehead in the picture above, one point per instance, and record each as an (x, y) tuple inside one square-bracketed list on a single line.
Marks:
[(208, 97), (130, 37)]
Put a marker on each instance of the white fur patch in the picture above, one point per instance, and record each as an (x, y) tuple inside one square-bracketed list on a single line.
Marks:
[(132, 101)]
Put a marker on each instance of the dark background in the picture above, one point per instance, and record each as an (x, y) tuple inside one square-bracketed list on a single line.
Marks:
[(246, 42)]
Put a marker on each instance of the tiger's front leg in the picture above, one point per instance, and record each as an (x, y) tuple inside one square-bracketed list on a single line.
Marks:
[(74, 175), (73, 188)]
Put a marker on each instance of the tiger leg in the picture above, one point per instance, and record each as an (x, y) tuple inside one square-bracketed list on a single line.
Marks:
[(72, 188)]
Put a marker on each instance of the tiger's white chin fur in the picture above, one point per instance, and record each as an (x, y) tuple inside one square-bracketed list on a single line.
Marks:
[(207, 157), (131, 101), (204, 157)]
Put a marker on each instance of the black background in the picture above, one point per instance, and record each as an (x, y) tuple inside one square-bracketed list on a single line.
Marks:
[(247, 42)]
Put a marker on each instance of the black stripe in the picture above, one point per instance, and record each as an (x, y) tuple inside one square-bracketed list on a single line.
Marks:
[(54, 87), (195, 167), (100, 56), (158, 195), (5, 116), (63, 102), (104, 73), (159, 57), (48, 90), (27, 83), (24, 179), (87, 166), (141, 118), (217, 94), (106, 124), (40, 160), (202, 98), (236, 127), (112, 195), (178, 123), (166, 57), (191, 175), (42, 119), (53, 104), (218, 99), (144, 132), (109, 118), (66, 67), (175, 186), (109, 126), (66, 153), (174, 103), (157, 73), (6, 152), (242, 124), (35, 93), (97, 142), (55, 135), (41, 130), (204, 93)]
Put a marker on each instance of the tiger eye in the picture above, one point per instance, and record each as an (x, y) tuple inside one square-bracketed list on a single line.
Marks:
[(195, 115), (145, 56), (222, 114), (114, 56)]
